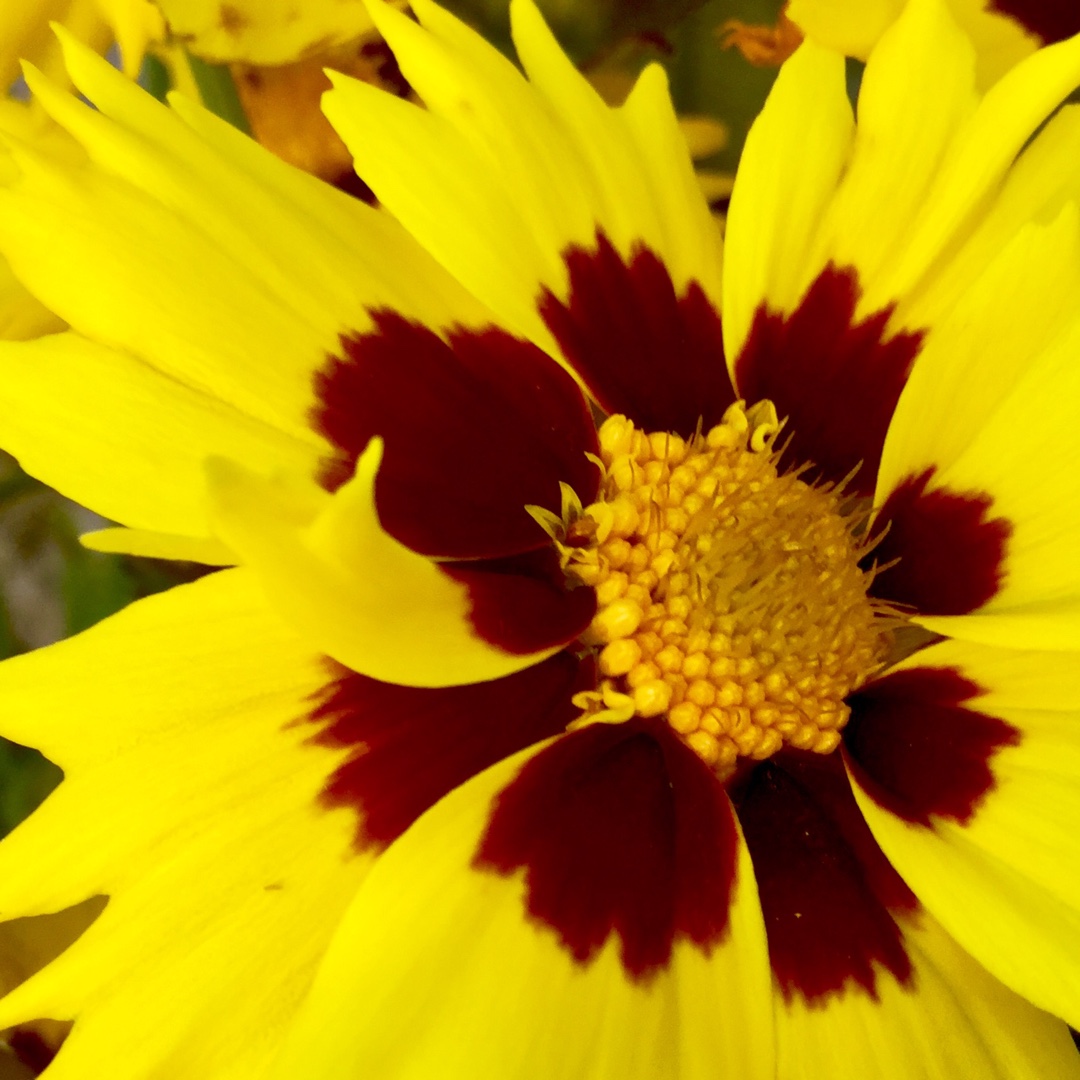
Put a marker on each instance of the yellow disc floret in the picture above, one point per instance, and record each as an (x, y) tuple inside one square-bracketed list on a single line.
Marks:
[(730, 597)]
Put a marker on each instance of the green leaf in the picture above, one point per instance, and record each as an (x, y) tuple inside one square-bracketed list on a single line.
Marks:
[(218, 92)]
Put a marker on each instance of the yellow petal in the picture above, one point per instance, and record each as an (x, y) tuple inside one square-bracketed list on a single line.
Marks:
[(22, 316), (791, 163), (998, 326), (268, 262), (1026, 458), (854, 27), (846, 26), (1004, 884), (155, 545), (363, 598), (119, 437), (916, 97), (191, 798), (135, 24), (954, 1019), (516, 172), (466, 984), (984, 151)]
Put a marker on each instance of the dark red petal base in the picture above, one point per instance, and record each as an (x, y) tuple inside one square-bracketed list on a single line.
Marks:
[(522, 603), (475, 429), (30, 1049), (620, 830), (1051, 20), (949, 552), (412, 746), (826, 889), (917, 749), (641, 349), (836, 381)]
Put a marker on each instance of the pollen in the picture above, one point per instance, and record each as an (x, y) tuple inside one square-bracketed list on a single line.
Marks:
[(730, 597)]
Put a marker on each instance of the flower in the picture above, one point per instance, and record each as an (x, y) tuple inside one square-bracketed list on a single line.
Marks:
[(1003, 31), (733, 737), (25, 34), (264, 34)]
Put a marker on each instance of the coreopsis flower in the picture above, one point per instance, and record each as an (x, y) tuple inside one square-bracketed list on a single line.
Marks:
[(1003, 31), (25, 33), (264, 32), (591, 688)]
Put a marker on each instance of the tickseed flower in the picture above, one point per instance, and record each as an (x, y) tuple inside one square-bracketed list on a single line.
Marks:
[(590, 688), (25, 33)]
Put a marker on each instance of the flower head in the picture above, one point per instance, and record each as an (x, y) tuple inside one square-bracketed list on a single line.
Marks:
[(577, 701)]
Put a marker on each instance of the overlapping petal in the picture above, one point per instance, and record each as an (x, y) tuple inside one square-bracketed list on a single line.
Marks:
[(125, 438), (259, 278), (1003, 31), (25, 32), (951, 146), (467, 983), (354, 591), (1002, 878), (953, 1019), (575, 166), (177, 722)]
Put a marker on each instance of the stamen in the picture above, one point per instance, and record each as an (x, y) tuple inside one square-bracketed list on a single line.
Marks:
[(730, 596)]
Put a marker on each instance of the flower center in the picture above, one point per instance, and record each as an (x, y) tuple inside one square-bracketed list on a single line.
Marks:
[(730, 595)]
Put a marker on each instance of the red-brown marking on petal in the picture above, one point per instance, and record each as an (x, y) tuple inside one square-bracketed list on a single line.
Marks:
[(836, 381), (620, 829), (641, 349), (31, 1049), (917, 749), (522, 603), (826, 889), (412, 746), (475, 428), (1051, 20), (949, 551)]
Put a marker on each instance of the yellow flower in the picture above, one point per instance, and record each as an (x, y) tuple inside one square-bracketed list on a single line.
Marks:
[(25, 33), (1003, 31), (264, 31), (574, 703)]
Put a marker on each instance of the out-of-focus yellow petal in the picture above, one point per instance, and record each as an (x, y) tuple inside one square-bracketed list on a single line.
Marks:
[(953, 1020), (457, 980), (22, 316), (264, 31), (1005, 883), (845, 26), (155, 545), (855, 26), (25, 32), (353, 590), (190, 798)]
